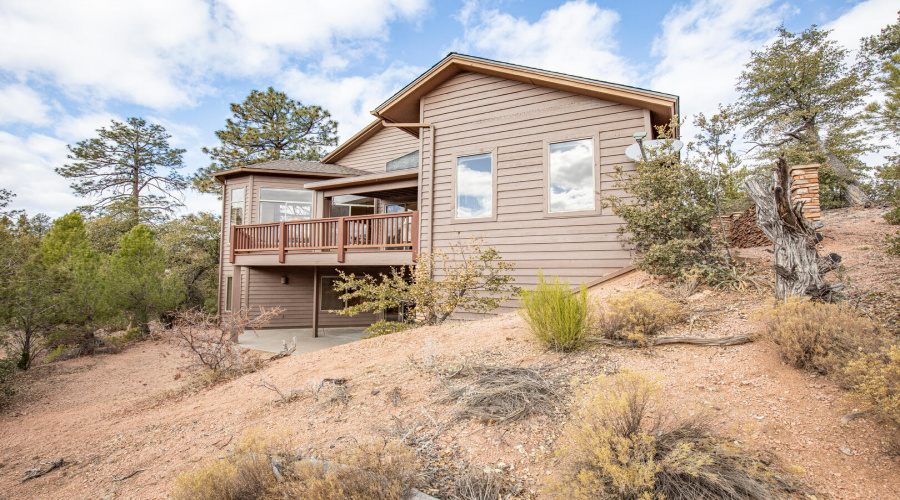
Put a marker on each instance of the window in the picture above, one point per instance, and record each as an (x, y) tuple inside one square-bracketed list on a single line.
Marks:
[(347, 205), (394, 208), (228, 282), (331, 299), (406, 161), (571, 183), (237, 207), (474, 186), (277, 205)]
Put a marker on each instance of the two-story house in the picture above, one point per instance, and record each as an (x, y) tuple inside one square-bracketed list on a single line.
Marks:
[(518, 156)]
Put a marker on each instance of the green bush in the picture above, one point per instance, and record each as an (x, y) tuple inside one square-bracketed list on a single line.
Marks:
[(385, 327), (558, 318), (620, 445), (7, 372), (637, 315)]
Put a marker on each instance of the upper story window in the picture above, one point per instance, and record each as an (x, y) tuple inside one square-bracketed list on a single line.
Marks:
[(347, 205), (474, 186), (278, 205), (571, 183), (406, 161), (236, 214)]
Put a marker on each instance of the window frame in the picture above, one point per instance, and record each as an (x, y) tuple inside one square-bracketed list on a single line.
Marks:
[(454, 169), (570, 137), (243, 202), (260, 201)]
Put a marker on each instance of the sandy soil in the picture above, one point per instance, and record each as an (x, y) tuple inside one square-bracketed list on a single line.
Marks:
[(108, 415)]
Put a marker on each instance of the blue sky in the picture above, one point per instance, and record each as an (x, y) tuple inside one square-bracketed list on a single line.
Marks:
[(67, 68)]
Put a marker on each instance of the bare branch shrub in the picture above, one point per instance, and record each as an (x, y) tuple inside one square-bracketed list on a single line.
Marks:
[(501, 394), (212, 340)]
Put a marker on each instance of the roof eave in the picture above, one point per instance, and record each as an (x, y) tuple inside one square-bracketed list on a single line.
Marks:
[(218, 176)]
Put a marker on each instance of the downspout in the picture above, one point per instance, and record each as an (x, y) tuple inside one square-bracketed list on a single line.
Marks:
[(431, 133)]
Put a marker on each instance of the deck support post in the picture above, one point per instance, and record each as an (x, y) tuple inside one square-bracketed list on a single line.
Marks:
[(316, 293), (341, 239)]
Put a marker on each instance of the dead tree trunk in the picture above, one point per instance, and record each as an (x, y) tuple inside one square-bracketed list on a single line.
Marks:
[(799, 270)]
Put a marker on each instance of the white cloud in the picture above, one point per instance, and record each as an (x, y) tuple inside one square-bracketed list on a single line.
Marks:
[(864, 19), (76, 128), (578, 38), (348, 99), (28, 172), (164, 53), (20, 104), (704, 46)]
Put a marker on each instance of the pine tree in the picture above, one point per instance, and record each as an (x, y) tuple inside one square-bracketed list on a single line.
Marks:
[(800, 97), (268, 126), (129, 170)]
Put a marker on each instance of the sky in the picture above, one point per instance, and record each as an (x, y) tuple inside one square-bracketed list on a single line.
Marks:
[(68, 68)]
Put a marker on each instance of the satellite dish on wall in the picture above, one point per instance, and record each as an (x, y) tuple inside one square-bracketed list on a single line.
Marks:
[(634, 151)]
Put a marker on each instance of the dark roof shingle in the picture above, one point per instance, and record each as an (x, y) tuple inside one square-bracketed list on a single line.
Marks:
[(310, 167)]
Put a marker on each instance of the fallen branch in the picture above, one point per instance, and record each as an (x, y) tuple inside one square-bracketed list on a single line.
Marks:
[(285, 351), (130, 475), (718, 341), (40, 471)]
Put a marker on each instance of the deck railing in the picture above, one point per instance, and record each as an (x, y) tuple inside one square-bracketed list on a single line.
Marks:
[(362, 233)]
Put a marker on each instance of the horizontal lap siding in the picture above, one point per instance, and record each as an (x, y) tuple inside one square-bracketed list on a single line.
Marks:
[(516, 118), (387, 144), (295, 297)]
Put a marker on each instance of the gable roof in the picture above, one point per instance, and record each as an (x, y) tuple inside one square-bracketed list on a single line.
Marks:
[(403, 107), (311, 168)]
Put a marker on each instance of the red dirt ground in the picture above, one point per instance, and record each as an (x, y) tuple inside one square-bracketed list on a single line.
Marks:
[(108, 415)]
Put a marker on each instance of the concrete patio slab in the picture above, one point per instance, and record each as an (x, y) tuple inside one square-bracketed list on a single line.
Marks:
[(270, 340)]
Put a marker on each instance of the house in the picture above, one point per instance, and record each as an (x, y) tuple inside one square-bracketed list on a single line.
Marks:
[(472, 148)]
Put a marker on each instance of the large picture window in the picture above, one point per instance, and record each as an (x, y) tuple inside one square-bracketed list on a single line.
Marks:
[(237, 207), (279, 205), (347, 205), (474, 186), (571, 183)]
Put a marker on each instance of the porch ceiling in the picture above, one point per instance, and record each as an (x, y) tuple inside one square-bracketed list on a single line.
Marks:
[(385, 185)]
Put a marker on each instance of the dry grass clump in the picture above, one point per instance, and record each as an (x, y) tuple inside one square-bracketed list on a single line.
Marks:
[(817, 336), (875, 380), (483, 485), (500, 394), (244, 474), (637, 315), (265, 469), (621, 445), (372, 471), (558, 318)]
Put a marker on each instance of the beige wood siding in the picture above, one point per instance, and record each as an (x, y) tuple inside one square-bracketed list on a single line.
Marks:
[(387, 144), (478, 112), (295, 297)]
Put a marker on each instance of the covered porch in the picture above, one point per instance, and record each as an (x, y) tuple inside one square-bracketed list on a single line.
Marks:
[(368, 220), (271, 340)]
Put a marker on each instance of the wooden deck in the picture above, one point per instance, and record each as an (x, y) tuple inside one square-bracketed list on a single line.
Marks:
[(396, 232)]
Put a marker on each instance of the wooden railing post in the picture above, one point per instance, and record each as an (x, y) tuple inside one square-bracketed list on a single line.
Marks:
[(282, 241), (341, 239), (231, 244), (414, 234)]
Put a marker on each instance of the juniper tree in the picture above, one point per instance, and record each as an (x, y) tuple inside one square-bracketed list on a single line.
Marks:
[(129, 171), (268, 126), (801, 97)]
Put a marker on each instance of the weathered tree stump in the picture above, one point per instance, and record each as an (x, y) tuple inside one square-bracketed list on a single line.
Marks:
[(799, 270)]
